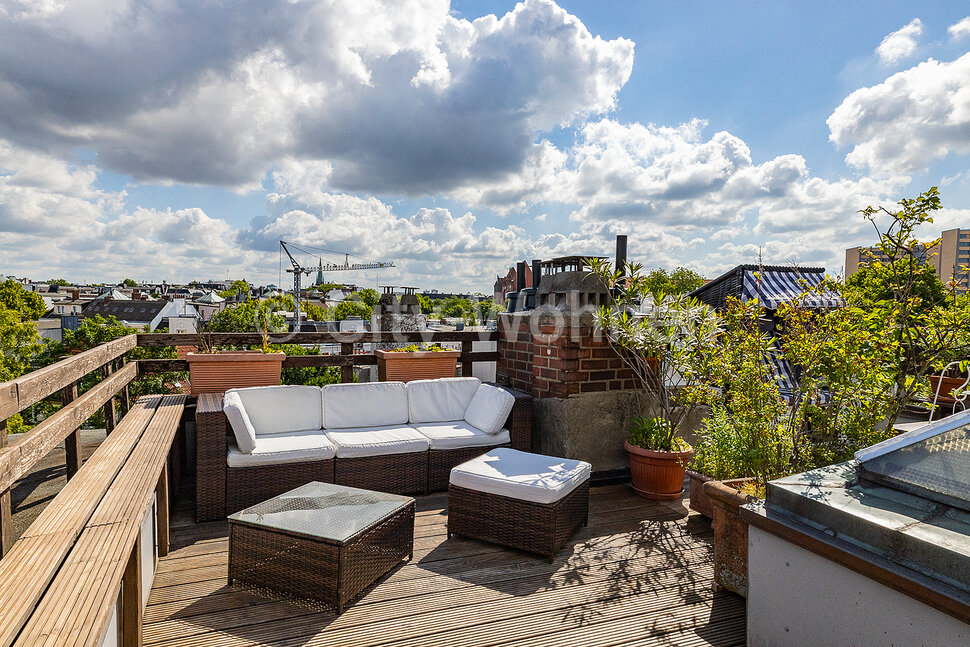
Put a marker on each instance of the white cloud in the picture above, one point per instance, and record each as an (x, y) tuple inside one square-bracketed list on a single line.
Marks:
[(899, 126), (395, 96), (901, 43), (959, 29)]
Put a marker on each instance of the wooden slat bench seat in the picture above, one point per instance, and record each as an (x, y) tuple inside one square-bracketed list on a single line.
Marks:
[(60, 582)]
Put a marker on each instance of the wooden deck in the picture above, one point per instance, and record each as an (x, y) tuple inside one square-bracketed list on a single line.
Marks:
[(640, 574)]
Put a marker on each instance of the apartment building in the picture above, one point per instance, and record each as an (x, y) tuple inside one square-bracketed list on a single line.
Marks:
[(950, 258)]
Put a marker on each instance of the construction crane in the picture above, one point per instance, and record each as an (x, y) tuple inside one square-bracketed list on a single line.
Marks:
[(298, 271)]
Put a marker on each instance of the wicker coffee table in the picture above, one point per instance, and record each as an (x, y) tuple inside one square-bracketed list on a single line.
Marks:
[(320, 541)]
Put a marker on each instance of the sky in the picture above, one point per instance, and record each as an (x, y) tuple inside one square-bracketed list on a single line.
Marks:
[(162, 140)]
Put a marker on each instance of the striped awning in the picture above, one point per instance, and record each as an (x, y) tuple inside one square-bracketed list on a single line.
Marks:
[(784, 374), (773, 288)]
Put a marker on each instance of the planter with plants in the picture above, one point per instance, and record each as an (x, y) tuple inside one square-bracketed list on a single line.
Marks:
[(214, 371), (416, 362), (666, 341)]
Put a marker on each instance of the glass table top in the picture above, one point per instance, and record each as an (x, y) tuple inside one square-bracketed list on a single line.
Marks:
[(325, 511)]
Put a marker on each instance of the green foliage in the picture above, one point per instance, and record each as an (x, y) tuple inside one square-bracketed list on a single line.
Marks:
[(237, 287), (61, 282), (680, 281), (434, 348), (18, 344), (313, 375), (427, 305), (655, 434), (352, 308), (251, 316), (129, 283), (875, 284), (921, 331), (314, 312), (13, 296), (327, 287), (667, 343), (368, 296)]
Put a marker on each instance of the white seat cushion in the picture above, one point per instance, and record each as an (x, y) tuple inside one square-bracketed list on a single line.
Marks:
[(291, 447), (278, 409), (489, 409), (242, 426), (377, 441), (374, 404), (441, 400), (521, 475), (458, 434)]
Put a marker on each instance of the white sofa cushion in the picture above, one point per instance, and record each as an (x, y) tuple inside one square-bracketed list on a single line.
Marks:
[(440, 400), (242, 426), (291, 447), (489, 409), (375, 404), (458, 434), (521, 475), (377, 441), (278, 409)]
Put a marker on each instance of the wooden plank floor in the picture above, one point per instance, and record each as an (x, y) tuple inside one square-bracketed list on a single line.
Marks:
[(640, 574)]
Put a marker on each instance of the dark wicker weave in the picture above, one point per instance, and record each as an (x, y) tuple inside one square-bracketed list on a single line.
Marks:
[(307, 566), (395, 473), (211, 445), (535, 527), (246, 486), (519, 422)]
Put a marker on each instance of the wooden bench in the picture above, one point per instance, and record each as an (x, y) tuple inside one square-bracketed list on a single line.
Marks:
[(81, 560)]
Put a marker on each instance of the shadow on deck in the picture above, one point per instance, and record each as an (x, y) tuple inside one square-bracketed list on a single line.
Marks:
[(640, 573)]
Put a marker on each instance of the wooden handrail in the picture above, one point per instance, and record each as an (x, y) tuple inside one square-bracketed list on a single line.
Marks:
[(16, 460), (18, 394), (248, 339)]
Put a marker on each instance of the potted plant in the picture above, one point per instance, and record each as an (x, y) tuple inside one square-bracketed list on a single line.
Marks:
[(665, 340), (212, 371), (414, 362)]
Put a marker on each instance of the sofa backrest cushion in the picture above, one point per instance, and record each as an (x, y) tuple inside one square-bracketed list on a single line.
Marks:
[(280, 409), (489, 409), (371, 404), (441, 400), (242, 426)]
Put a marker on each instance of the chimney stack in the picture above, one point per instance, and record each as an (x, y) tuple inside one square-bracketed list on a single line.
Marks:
[(520, 276), (536, 272), (621, 254)]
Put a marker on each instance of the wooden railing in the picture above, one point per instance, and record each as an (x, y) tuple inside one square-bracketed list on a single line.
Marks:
[(347, 359), (17, 459)]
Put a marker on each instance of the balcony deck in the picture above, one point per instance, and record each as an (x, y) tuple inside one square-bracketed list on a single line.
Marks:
[(640, 574)]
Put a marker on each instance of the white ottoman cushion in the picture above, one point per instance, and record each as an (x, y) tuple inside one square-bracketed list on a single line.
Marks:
[(521, 475), (489, 409), (377, 441), (459, 434), (374, 404), (291, 447), (277, 409), (242, 426), (440, 400)]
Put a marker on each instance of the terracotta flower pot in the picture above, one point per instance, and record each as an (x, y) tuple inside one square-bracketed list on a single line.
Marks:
[(416, 365), (730, 534), (217, 372), (657, 475), (946, 387), (699, 501)]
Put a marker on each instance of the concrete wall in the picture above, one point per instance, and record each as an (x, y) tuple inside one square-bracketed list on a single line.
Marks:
[(796, 597)]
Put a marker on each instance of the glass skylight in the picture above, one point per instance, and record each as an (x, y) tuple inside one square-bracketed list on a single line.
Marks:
[(932, 461)]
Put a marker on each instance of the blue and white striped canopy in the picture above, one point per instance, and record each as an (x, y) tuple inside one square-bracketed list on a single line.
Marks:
[(774, 288)]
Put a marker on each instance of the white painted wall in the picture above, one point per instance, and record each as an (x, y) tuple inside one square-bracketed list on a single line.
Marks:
[(111, 636), (485, 371), (796, 597), (149, 551)]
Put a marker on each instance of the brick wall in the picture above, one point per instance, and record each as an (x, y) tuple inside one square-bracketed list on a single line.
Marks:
[(558, 364)]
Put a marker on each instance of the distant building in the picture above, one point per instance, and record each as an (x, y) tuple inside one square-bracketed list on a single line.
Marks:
[(508, 282), (143, 315), (209, 304), (950, 258)]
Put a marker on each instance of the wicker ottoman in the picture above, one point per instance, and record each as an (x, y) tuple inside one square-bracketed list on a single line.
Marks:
[(517, 499)]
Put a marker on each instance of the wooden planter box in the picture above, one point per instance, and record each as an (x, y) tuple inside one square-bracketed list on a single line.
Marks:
[(416, 365), (730, 534), (699, 501), (217, 372)]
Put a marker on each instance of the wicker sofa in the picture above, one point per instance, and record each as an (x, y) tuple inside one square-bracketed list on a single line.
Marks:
[(253, 444)]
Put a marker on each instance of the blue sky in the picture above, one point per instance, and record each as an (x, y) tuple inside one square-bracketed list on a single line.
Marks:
[(178, 142)]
